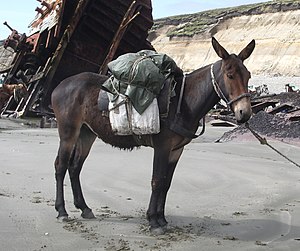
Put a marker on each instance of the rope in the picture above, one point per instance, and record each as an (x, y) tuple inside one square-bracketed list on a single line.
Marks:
[(264, 141)]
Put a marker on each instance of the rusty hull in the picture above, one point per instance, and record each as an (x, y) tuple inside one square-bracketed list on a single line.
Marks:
[(69, 37)]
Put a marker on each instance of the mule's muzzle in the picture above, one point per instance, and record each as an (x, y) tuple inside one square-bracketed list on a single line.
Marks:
[(242, 110), (243, 117)]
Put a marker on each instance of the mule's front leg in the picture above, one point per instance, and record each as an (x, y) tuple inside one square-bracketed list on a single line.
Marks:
[(164, 165), (173, 160), (152, 213), (158, 185)]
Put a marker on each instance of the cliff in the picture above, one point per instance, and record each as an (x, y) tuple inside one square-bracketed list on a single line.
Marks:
[(6, 57), (274, 25)]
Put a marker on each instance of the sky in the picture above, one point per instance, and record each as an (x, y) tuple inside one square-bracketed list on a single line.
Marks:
[(19, 13)]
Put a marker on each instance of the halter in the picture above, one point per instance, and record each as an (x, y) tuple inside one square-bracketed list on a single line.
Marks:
[(220, 93)]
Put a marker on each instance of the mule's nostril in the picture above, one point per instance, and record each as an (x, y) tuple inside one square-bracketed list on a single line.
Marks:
[(241, 112)]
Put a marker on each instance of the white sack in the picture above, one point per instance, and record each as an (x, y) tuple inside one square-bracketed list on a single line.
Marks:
[(125, 120)]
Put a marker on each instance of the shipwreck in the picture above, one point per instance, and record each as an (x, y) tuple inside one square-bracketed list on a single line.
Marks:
[(69, 37)]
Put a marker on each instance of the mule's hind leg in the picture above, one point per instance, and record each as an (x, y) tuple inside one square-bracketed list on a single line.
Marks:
[(84, 143), (61, 165)]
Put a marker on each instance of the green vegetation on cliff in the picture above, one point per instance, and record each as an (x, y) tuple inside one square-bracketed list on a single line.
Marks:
[(193, 24)]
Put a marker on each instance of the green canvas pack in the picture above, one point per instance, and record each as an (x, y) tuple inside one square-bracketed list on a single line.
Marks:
[(139, 76)]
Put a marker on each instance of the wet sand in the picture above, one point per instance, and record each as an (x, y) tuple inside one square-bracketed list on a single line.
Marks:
[(237, 195)]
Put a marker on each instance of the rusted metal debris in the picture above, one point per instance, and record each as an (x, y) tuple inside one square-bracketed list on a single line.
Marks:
[(69, 37), (276, 116), (285, 105)]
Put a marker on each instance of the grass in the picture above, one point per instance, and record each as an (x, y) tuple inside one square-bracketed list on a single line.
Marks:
[(193, 24)]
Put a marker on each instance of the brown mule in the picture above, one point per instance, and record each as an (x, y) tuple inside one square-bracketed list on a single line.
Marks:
[(80, 122)]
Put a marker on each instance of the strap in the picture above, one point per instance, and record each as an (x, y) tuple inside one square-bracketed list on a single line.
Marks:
[(237, 98), (181, 94), (180, 130), (220, 93), (175, 126), (217, 88)]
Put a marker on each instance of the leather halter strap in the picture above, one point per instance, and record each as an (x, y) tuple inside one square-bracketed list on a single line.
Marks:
[(219, 91)]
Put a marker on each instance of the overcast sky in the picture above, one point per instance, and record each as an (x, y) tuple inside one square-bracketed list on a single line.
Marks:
[(19, 13)]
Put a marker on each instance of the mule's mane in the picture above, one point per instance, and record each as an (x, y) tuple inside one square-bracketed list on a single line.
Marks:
[(205, 67)]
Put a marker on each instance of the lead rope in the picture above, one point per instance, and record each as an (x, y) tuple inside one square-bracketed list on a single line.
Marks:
[(264, 141)]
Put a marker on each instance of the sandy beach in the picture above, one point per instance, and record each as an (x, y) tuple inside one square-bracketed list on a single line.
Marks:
[(237, 195)]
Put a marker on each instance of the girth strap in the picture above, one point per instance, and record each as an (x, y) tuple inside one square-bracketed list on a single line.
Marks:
[(175, 126)]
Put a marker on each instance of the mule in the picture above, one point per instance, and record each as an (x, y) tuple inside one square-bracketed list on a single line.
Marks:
[(80, 122)]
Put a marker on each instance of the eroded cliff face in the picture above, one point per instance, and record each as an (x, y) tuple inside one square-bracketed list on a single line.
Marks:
[(6, 57), (277, 37)]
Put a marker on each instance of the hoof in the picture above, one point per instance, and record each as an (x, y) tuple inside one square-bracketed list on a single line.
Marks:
[(63, 218), (158, 230), (163, 223), (88, 214)]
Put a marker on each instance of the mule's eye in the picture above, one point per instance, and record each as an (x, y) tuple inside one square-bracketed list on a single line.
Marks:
[(230, 76)]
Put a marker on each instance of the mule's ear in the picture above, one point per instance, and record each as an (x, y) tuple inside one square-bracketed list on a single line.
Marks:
[(222, 53), (246, 52)]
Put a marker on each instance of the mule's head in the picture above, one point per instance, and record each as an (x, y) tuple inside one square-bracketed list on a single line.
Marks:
[(234, 80)]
